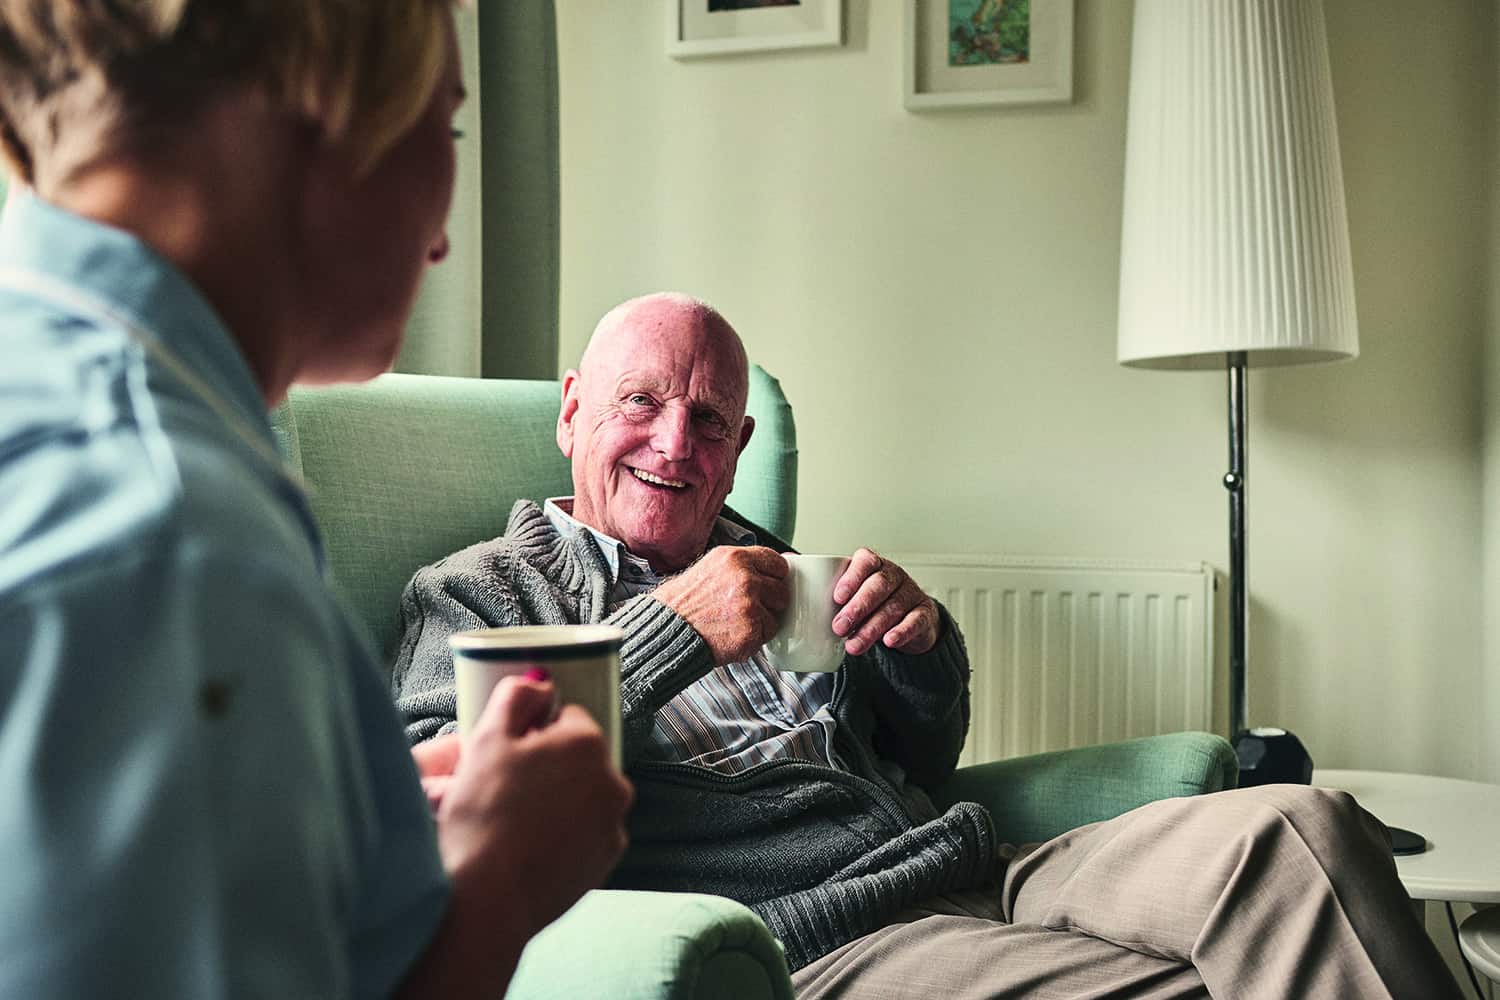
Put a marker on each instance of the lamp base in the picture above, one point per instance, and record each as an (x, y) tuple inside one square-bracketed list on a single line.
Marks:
[(1270, 756)]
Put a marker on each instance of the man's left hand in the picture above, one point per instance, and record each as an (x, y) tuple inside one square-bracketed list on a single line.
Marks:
[(882, 604)]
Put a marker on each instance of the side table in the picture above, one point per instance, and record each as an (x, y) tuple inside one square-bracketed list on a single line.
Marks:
[(1480, 939), (1458, 818), (1462, 860)]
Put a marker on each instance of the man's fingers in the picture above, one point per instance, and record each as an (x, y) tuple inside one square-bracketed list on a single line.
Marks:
[(769, 620), (757, 559), (517, 705), (875, 591), (885, 618), (775, 595), (769, 562), (913, 624), (887, 606), (917, 632), (766, 575), (862, 564)]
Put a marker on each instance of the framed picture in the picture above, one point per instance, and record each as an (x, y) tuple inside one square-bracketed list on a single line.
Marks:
[(984, 53), (721, 27)]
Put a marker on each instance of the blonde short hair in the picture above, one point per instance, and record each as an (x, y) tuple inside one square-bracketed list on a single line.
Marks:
[(78, 76)]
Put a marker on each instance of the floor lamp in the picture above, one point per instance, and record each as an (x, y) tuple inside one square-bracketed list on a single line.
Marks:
[(1235, 246)]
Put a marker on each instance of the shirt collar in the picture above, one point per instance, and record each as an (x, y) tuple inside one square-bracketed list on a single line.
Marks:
[(559, 511), (122, 275)]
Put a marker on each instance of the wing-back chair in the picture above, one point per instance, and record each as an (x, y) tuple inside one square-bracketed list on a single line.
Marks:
[(407, 468)]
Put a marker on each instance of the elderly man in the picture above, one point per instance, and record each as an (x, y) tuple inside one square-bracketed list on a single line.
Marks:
[(803, 795)]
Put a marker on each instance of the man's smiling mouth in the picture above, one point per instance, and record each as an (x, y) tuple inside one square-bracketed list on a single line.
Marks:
[(646, 477)]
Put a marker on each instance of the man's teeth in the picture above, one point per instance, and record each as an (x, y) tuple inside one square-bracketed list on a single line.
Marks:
[(676, 484)]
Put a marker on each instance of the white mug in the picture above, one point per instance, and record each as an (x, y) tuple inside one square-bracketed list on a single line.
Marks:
[(583, 660), (805, 642)]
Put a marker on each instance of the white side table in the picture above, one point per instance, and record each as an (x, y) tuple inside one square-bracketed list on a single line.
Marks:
[(1480, 939), (1458, 818)]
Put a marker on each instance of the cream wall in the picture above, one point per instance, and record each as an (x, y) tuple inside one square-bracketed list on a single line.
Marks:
[(1492, 446), (937, 293)]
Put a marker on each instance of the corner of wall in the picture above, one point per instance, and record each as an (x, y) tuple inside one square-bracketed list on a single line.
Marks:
[(1490, 671)]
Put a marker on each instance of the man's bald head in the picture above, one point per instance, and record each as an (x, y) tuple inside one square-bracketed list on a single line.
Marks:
[(662, 312)]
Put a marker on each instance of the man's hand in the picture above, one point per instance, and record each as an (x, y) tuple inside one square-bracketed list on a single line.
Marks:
[(882, 604), (531, 814), (733, 597)]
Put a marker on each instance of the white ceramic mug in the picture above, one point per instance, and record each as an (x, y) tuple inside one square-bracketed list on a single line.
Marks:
[(583, 660), (805, 642)]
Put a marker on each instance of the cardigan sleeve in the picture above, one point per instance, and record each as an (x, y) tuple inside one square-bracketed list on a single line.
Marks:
[(486, 586), (464, 591), (661, 655)]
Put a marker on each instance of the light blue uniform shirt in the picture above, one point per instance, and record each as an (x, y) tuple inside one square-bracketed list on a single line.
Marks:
[(204, 789)]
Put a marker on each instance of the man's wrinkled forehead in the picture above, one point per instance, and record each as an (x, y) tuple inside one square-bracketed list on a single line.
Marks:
[(672, 329)]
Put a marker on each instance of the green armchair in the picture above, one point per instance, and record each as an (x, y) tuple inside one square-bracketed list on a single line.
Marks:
[(407, 468)]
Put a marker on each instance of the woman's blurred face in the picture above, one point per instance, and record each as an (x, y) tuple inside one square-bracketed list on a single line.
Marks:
[(372, 240)]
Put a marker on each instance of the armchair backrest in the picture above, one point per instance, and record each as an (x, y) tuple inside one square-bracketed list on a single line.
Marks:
[(404, 469)]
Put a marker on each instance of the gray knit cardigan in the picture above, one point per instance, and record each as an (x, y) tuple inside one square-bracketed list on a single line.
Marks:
[(822, 855)]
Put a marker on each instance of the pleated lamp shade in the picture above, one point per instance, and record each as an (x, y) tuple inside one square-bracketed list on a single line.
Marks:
[(1234, 232)]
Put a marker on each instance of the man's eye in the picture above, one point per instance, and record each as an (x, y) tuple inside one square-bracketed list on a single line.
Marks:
[(713, 425), (639, 399)]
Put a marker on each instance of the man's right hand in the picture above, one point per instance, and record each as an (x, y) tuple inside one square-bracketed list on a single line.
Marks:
[(733, 597), (533, 814)]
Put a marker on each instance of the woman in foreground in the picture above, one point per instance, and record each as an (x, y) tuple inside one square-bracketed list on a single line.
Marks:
[(204, 790)]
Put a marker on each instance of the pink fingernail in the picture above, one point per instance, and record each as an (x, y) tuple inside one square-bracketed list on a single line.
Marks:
[(538, 674)]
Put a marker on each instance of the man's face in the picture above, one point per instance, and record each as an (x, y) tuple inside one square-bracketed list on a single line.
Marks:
[(654, 424)]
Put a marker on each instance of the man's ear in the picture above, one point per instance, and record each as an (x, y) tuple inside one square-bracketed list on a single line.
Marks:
[(745, 431), (568, 412)]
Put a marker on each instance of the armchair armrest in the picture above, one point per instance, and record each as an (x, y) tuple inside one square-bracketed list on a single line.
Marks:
[(1037, 797), (653, 946)]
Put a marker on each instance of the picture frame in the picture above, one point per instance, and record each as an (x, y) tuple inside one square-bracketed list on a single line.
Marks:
[(977, 54), (700, 28)]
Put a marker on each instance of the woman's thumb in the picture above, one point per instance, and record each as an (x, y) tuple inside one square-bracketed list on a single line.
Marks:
[(520, 704)]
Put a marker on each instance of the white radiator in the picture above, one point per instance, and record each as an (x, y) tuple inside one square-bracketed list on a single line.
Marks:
[(1071, 652)]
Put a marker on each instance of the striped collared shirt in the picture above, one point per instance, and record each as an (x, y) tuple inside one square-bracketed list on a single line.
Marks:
[(735, 716)]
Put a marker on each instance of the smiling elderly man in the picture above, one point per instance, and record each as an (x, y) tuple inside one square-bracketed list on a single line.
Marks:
[(802, 795)]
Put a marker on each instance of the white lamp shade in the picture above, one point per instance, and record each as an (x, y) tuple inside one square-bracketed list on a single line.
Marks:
[(1234, 234)]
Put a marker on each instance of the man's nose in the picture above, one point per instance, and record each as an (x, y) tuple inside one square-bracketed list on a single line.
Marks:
[(672, 435)]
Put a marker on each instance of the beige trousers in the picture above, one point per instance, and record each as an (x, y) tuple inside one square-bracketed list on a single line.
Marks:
[(1272, 892)]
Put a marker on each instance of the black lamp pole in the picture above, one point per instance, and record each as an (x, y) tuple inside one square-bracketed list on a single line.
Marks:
[(1234, 482), (1266, 755)]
